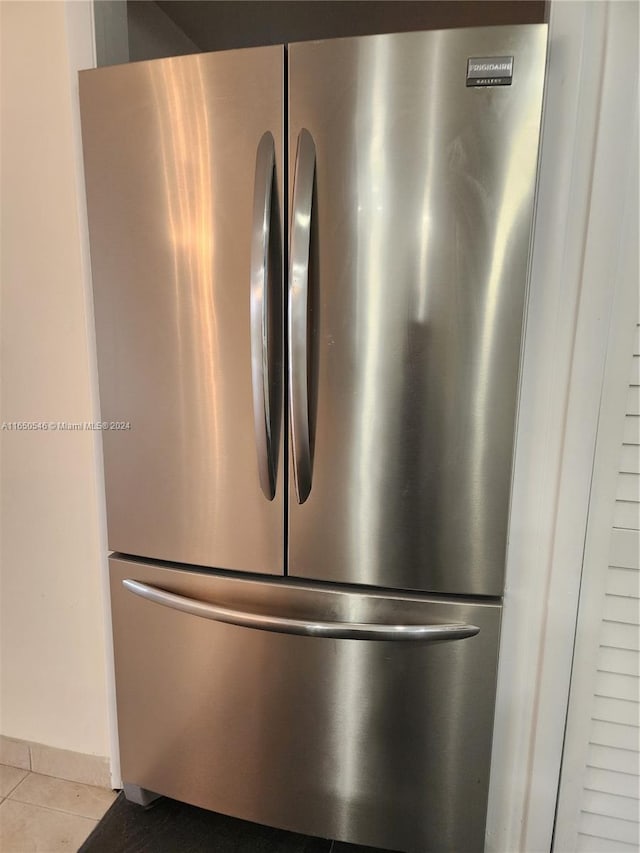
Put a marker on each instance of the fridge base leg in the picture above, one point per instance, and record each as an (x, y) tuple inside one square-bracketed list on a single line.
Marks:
[(139, 796)]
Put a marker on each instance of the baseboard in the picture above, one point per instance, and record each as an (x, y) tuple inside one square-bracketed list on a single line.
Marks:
[(52, 761)]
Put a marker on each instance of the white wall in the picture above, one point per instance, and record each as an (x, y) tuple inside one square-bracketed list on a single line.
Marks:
[(598, 806), (53, 638), (566, 340)]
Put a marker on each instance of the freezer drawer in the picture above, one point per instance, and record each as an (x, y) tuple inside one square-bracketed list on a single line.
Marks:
[(377, 741)]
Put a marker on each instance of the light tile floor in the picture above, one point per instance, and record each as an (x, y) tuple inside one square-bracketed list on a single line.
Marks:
[(42, 814)]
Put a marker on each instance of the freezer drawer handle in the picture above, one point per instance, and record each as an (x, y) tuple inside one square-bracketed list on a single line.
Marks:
[(283, 625), (260, 242), (298, 312)]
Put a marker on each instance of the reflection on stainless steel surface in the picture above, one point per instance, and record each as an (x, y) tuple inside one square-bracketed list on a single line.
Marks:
[(424, 207), (169, 152), (382, 743)]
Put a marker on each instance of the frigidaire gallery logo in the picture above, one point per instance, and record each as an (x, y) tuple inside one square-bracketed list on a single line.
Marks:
[(490, 71)]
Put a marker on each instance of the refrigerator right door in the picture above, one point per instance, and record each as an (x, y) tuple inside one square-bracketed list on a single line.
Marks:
[(413, 169)]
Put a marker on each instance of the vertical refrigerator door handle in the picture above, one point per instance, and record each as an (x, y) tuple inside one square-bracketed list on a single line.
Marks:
[(265, 165), (298, 312)]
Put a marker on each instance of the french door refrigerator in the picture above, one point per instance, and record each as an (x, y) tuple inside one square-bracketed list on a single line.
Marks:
[(309, 269)]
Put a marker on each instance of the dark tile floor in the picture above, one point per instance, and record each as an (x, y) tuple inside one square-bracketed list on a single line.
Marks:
[(170, 826)]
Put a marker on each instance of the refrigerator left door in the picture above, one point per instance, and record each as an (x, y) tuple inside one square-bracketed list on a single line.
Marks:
[(183, 169)]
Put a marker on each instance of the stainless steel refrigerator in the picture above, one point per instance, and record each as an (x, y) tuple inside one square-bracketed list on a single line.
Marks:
[(309, 268)]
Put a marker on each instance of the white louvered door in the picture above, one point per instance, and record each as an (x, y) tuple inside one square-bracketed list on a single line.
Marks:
[(599, 802)]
